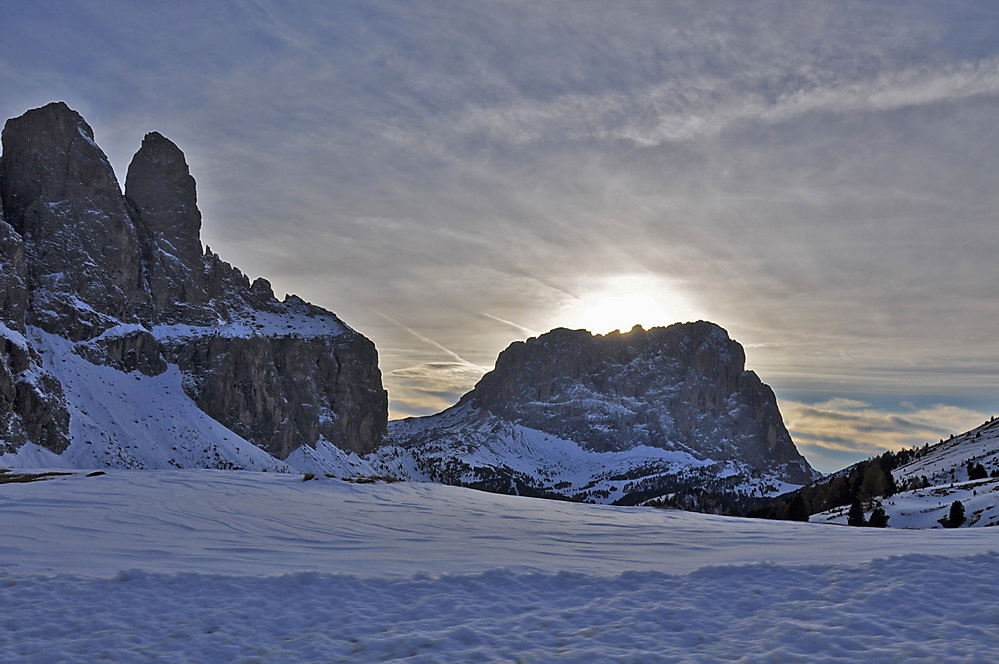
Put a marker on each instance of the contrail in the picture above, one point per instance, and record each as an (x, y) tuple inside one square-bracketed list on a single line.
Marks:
[(427, 340), (525, 330), (543, 282)]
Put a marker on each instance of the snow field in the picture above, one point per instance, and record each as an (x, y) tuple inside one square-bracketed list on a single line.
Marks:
[(263, 567), (253, 523), (911, 608)]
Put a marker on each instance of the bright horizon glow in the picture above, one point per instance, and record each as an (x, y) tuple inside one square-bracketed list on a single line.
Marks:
[(621, 302)]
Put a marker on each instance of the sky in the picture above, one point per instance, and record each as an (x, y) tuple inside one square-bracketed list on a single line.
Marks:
[(448, 177)]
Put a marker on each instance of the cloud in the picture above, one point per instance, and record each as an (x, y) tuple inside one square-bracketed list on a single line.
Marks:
[(526, 330), (431, 342), (687, 110), (428, 388), (846, 429)]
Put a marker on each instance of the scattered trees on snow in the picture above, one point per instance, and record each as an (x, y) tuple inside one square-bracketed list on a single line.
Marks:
[(856, 515), (976, 471)]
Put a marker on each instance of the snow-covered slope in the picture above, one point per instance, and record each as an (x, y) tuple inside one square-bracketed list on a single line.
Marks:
[(926, 508), (131, 420), (939, 475), (238, 567), (947, 461), (466, 448)]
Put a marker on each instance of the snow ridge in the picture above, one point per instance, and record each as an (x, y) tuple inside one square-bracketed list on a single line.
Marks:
[(467, 448)]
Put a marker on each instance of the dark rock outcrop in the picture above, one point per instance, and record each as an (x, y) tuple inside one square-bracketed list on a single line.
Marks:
[(131, 349), (13, 279), (125, 279), (162, 198), (31, 399)]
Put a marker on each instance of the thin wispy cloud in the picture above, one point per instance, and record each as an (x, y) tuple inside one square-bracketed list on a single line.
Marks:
[(430, 342), (669, 112), (526, 330)]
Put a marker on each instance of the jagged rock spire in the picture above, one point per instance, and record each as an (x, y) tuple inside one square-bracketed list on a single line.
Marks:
[(61, 196), (162, 197)]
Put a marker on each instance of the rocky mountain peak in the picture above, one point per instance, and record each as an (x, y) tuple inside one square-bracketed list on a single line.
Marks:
[(682, 387), (61, 196)]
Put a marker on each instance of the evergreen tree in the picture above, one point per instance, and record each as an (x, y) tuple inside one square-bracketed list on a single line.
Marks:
[(976, 471), (797, 510), (956, 517), (878, 518), (856, 515), (838, 493), (890, 487), (872, 483)]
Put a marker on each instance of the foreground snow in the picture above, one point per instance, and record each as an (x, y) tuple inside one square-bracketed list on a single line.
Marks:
[(882, 611), (244, 567)]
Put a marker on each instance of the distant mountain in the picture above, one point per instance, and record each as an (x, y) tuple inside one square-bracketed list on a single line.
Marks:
[(622, 417), (124, 343)]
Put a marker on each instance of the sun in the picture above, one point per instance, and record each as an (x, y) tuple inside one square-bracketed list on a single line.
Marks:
[(621, 312), (621, 302)]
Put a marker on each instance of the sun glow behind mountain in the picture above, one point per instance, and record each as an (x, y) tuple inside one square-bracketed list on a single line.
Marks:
[(621, 302)]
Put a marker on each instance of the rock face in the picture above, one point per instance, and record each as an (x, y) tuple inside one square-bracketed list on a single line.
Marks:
[(283, 390), (682, 390), (162, 197), (61, 196), (124, 280), (31, 399)]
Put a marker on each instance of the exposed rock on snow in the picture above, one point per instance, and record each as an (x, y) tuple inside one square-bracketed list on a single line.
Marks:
[(616, 417), (124, 280)]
